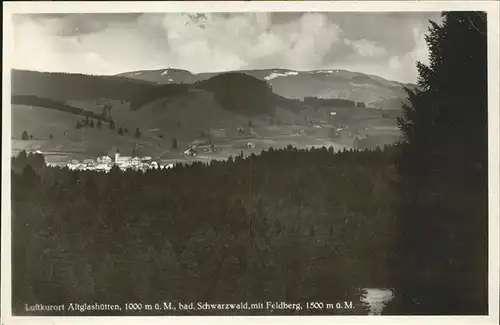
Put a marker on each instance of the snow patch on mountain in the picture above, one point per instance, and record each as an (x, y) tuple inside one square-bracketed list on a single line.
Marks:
[(326, 71), (281, 74)]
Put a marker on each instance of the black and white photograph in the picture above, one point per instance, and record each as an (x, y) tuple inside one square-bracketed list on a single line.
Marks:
[(259, 162)]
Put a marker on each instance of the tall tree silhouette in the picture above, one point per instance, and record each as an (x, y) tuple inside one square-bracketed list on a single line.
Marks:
[(137, 133), (442, 242)]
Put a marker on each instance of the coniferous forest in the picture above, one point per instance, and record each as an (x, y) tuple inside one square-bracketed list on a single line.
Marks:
[(284, 225)]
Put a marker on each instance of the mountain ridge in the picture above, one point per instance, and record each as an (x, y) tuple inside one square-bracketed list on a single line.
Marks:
[(209, 73), (226, 109), (295, 84)]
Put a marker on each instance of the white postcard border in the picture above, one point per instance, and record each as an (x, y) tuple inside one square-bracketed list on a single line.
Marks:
[(492, 7)]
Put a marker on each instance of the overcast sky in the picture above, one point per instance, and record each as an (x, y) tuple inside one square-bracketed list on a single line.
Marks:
[(384, 44)]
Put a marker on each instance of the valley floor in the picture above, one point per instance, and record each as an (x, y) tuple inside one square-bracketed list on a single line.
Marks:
[(224, 149)]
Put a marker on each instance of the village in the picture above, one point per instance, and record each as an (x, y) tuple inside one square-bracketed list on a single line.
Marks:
[(106, 163)]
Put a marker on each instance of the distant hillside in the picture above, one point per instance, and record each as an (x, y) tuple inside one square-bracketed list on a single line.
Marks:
[(241, 93), (55, 134), (332, 102), (391, 103), (374, 91), (166, 76), (228, 109), (65, 86), (155, 92), (35, 101), (234, 91)]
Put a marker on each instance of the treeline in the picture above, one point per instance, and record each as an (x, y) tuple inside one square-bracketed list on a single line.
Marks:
[(374, 141), (36, 101), (89, 123), (291, 225), (294, 105), (332, 102), (122, 130), (35, 161)]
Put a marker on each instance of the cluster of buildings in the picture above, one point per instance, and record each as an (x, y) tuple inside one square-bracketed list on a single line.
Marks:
[(192, 150), (105, 163)]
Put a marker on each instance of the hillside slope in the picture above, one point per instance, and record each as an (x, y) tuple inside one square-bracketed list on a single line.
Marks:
[(372, 90), (35, 101), (227, 110), (65, 86)]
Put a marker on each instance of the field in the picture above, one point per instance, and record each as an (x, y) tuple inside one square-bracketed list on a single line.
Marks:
[(196, 118)]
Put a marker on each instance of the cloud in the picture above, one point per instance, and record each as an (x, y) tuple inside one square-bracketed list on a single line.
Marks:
[(386, 44), (404, 65), (366, 48)]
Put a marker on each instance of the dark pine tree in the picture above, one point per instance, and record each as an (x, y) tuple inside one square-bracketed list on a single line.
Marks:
[(443, 221), (25, 135), (120, 130), (137, 133)]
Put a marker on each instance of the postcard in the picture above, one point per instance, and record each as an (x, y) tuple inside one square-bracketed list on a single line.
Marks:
[(250, 162)]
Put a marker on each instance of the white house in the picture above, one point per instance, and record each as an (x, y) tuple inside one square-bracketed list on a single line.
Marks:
[(106, 160), (190, 152), (122, 159), (136, 161), (103, 167)]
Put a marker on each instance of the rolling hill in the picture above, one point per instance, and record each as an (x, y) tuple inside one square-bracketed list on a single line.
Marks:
[(35, 101), (372, 90), (227, 109), (66, 86)]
